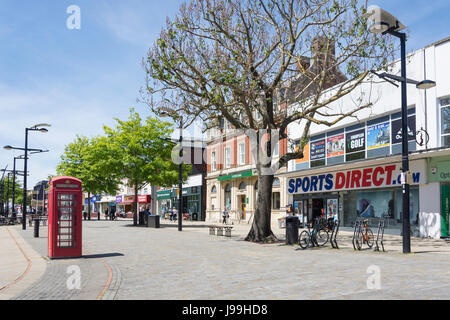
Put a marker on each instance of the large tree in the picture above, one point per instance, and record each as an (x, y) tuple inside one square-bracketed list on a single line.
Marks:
[(236, 59), (141, 153)]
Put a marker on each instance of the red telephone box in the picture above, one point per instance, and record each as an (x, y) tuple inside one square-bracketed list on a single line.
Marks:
[(64, 218)]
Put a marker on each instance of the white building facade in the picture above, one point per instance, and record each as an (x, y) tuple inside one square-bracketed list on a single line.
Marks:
[(352, 169)]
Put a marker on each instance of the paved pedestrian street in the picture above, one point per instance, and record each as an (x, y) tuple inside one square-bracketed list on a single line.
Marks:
[(121, 261)]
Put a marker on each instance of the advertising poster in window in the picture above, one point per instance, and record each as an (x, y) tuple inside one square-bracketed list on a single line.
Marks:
[(378, 135), (335, 146), (305, 153), (356, 141), (397, 129), (317, 150), (332, 208)]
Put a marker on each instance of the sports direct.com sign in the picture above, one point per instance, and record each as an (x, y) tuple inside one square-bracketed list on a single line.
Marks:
[(381, 176)]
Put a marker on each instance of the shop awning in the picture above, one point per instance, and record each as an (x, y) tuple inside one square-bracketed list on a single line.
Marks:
[(238, 175)]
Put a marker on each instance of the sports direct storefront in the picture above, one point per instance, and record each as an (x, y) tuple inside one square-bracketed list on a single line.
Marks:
[(356, 192)]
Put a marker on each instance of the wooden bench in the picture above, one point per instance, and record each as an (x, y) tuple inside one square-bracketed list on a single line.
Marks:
[(220, 228)]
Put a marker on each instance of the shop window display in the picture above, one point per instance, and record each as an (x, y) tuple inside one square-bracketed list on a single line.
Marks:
[(379, 204)]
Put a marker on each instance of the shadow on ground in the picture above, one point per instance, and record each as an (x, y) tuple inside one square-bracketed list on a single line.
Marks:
[(102, 255)]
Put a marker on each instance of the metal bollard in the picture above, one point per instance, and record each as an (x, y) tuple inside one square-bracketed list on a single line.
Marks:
[(36, 228)]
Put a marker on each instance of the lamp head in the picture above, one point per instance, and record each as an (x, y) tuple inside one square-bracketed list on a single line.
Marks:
[(380, 21), (43, 130), (8, 147), (426, 84)]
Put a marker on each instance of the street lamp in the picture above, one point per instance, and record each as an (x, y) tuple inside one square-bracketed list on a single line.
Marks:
[(381, 21), (38, 127), (21, 157), (165, 112)]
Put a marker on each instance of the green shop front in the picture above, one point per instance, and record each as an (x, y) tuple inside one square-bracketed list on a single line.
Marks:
[(192, 201), (439, 172)]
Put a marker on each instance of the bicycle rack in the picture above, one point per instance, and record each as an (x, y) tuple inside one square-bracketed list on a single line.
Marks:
[(334, 233), (356, 231), (381, 225)]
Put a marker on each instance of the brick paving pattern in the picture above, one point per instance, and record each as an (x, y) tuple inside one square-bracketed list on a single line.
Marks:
[(126, 262)]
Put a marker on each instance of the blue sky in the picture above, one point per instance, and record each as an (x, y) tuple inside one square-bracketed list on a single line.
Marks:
[(78, 80)]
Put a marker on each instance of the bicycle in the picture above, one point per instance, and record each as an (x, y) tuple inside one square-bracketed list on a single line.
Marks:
[(318, 237), (365, 235)]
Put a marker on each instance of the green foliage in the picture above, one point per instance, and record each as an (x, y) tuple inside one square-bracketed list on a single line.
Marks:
[(18, 190), (88, 160), (140, 151)]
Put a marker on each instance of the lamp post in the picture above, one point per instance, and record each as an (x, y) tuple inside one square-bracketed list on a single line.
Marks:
[(381, 21), (14, 185), (7, 196), (174, 115), (38, 127)]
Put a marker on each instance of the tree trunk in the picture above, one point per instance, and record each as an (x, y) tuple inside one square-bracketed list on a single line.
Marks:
[(89, 206), (261, 230), (135, 214)]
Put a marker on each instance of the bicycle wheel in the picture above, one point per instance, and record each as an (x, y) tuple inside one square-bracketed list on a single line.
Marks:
[(359, 240), (370, 238), (322, 237), (304, 239)]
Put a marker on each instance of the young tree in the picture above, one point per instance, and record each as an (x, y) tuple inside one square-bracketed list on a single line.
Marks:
[(232, 59), (141, 153), (89, 160)]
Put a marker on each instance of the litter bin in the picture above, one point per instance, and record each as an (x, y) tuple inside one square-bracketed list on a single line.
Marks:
[(153, 221), (291, 229), (36, 228)]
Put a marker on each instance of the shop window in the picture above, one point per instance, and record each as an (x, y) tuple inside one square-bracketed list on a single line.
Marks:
[(242, 186), (445, 122), (213, 189), (276, 200)]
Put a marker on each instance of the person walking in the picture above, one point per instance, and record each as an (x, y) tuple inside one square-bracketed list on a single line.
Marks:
[(106, 214), (224, 216)]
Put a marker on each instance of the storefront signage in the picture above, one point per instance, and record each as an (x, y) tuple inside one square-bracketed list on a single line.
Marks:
[(378, 135), (128, 199), (373, 177), (118, 199), (397, 129), (317, 150), (248, 173), (441, 173), (144, 199), (163, 194), (305, 153), (356, 141), (335, 146)]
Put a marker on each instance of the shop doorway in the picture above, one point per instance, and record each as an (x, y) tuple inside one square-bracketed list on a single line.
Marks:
[(318, 208), (242, 206)]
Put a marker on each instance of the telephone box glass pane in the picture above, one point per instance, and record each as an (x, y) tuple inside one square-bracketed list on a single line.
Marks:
[(66, 209)]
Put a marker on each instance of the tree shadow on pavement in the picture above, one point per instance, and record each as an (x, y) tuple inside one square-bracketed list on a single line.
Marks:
[(170, 225)]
